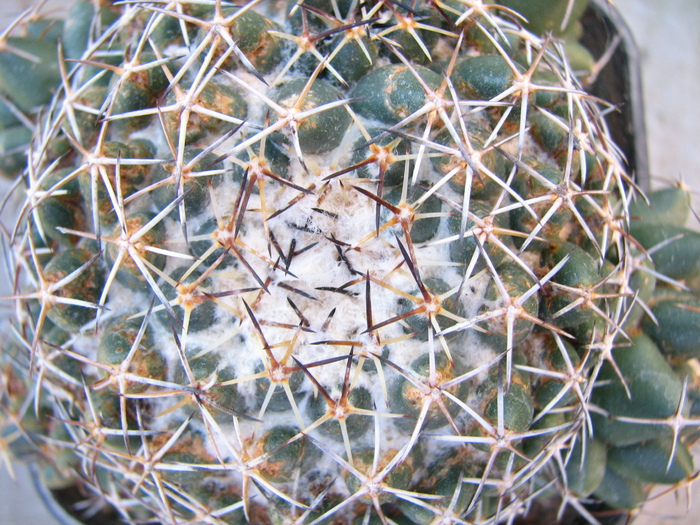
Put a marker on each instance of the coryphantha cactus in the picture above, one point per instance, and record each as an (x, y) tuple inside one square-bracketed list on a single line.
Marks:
[(339, 261), (29, 75), (562, 18)]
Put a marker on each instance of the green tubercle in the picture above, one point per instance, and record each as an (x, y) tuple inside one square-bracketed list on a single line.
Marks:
[(84, 285)]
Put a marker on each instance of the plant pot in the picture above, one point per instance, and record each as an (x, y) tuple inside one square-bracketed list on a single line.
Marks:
[(619, 83), (65, 504)]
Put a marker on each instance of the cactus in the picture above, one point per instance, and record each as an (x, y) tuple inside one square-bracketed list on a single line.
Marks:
[(29, 70), (561, 18), (31, 50), (339, 262)]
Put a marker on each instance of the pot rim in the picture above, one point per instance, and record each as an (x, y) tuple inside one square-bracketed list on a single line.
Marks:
[(623, 70), (49, 499)]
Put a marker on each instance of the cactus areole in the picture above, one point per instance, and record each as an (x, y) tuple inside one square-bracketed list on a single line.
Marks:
[(331, 261)]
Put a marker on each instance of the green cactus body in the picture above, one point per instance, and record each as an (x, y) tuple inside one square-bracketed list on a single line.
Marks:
[(336, 290)]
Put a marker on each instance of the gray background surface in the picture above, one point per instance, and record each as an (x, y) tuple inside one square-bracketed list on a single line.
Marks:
[(668, 36)]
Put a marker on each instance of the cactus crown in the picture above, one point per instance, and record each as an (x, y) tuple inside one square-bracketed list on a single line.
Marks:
[(327, 261)]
